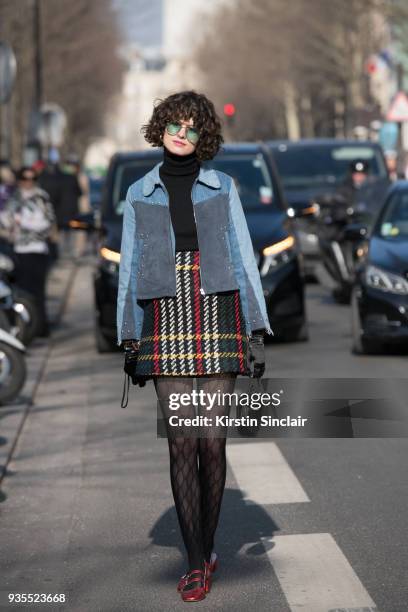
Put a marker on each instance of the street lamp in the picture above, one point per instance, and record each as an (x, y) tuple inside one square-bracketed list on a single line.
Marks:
[(8, 70)]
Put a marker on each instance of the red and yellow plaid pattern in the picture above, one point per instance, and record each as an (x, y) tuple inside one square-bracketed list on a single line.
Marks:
[(191, 333)]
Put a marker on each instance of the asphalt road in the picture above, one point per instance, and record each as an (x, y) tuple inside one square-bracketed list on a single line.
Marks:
[(311, 525)]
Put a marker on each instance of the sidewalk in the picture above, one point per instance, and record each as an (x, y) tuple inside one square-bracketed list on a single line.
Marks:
[(13, 415)]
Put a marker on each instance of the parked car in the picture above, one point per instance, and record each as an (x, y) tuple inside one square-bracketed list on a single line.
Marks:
[(316, 168), (379, 300), (270, 227)]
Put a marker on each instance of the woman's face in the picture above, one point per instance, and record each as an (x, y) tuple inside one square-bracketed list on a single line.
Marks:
[(27, 181), (179, 142)]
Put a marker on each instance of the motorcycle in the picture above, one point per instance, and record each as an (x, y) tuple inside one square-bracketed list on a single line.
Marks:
[(18, 311), (342, 228), (14, 330)]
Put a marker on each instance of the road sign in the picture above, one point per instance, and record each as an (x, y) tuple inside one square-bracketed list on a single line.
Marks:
[(398, 110), (52, 122)]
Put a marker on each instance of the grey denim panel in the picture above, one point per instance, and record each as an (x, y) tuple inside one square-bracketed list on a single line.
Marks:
[(128, 330), (256, 319), (212, 221), (129, 327), (155, 274)]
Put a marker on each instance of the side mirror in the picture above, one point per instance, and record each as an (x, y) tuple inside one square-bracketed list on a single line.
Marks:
[(85, 222), (355, 231)]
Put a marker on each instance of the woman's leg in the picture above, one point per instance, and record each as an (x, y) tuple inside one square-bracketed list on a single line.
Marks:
[(213, 463), (184, 476)]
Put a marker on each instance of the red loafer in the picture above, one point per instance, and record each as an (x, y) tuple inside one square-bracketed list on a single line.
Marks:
[(182, 582), (197, 578), (210, 568)]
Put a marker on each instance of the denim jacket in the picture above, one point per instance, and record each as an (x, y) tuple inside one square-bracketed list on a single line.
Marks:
[(147, 257)]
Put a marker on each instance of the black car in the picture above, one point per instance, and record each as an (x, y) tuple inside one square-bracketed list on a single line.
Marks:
[(270, 227), (311, 169), (379, 299)]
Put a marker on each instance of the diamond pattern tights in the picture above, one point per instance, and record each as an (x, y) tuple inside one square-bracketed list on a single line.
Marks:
[(197, 461)]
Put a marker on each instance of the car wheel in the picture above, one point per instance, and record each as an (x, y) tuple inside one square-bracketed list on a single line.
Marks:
[(103, 344), (360, 345)]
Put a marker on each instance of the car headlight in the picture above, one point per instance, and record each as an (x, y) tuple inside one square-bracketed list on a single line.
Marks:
[(277, 254), (110, 255), (385, 281), (109, 259)]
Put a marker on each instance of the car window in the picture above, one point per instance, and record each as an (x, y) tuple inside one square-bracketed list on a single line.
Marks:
[(251, 176), (250, 172), (393, 222), (126, 174), (302, 167)]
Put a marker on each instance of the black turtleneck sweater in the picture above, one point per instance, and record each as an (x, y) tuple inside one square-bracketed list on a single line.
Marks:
[(178, 173)]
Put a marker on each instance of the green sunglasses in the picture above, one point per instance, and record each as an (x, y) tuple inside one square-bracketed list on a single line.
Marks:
[(192, 133)]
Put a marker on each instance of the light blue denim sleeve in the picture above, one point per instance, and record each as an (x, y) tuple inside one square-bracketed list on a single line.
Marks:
[(254, 299), (129, 313)]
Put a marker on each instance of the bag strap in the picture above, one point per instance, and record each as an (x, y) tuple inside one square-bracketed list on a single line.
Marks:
[(255, 385), (125, 393)]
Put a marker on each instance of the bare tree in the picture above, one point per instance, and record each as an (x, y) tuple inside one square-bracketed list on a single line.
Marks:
[(293, 68), (81, 68)]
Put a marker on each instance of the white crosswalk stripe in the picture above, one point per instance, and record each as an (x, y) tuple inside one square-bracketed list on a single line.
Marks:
[(313, 572), (264, 475), (315, 575)]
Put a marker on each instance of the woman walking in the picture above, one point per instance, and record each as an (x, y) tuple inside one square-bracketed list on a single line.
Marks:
[(190, 307), (28, 221)]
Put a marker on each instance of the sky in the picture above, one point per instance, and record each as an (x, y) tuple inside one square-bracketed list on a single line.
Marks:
[(141, 20)]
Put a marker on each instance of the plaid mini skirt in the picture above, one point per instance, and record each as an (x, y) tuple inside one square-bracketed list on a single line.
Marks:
[(192, 334)]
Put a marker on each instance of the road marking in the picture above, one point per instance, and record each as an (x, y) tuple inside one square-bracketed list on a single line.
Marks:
[(263, 475), (314, 574)]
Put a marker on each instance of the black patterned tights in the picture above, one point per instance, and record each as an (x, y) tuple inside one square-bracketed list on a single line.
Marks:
[(197, 464)]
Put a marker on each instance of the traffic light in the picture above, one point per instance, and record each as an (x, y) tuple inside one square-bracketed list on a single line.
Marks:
[(229, 112), (229, 109)]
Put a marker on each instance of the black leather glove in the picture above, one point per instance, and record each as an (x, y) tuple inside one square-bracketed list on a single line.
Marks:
[(131, 348), (257, 353)]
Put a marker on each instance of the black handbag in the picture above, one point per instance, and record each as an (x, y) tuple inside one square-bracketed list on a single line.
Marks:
[(250, 431)]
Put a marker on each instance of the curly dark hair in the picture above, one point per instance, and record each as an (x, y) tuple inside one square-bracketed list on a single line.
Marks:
[(187, 105)]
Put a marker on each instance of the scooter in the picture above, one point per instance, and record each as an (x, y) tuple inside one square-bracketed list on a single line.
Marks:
[(342, 227), (18, 311), (13, 371), (338, 245)]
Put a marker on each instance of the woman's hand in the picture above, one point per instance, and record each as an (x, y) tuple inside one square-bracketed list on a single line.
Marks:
[(257, 353), (131, 348)]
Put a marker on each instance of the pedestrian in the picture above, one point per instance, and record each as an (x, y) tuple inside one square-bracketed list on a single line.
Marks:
[(7, 182), (64, 191), (73, 167), (7, 187), (28, 218), (190, 307)]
